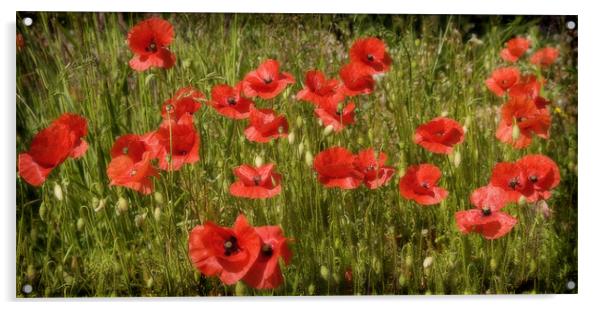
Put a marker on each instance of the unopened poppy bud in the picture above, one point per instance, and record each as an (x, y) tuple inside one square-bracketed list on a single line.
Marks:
[(157, 214), (328, 130), (291, 138), (300, 148), (31, 272), (402, 280), (309, 158), (258, 161), (42, 211), (139, 220), (515, 132), (58, 192), (158, 197), (240, 289), (101, 205), (80, 224), (427, 262), (444, 114), (370, 134), (409, 260), (122, 205), (522, 201), (532, 266), (149, 282), (311, 289), (493, 264), (324, 273), (467, 122), (360, 140), (299, 121), (457, 159)]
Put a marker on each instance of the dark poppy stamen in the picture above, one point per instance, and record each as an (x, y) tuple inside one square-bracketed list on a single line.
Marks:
[(533, 179), (256, 180), (268, 80), (425, 185), (231, 101), (182, 153), (266, 250), (152, 47), (169, 108), (230, 246), (125, 150), (486, 211), (370, 57), (513, 183)]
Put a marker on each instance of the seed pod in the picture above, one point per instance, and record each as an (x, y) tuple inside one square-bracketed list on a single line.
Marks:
[(58, 192)]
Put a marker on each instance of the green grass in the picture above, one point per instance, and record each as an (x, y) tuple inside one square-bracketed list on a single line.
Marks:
[(77, 62)]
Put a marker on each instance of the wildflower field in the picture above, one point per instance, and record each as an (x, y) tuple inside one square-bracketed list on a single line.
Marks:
[(281, 154)]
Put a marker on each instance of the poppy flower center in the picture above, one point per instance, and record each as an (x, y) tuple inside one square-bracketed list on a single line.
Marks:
[(372, 168), (370, 57), (169, 108), (425, 185), (520, 119), (486, 211), (533, 179), (231, 101), (256, 180), (268, 80), (267, 251), (152, 47), (182, 153), (231, 246), (513, 183), (125, 150), (133, 172)]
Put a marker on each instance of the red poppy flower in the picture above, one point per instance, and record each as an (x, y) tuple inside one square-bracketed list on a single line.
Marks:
[(51, 146), (420, 184), (266, 81), (187, 100), (371, 52), (511, 178), (148, 40), (530, 87), (256, 183), (335, 168), (182, 148), (525, 114), (439, 135), (372, 166), (542, 173), (20, 42), (130, 165), (317, 88), (335, 114), (545, 57), (357, 79), (265, 125), (228, 101), (515, 48), (265, 272), (502, 79), (486, 219), (228, 253)]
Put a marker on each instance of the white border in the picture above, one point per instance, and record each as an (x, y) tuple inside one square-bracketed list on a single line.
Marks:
[(590, 51)]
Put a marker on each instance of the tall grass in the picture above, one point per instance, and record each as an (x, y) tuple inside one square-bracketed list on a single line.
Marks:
[(88, 244)]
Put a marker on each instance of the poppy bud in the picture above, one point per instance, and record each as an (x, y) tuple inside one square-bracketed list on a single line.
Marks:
[(58, 192), (31, 272), (74, 263), (291, 137), (149, 282), (515, 132), (157, 214), (444, 114), (122, 205), (101, 205), (139, 219), (427, 262), (240, 289), (80, 224), (300, 148), (258, 161), (309, 158), (370, 135), (360, 140), (328, 130), (311, 289), (532, 266), (457, 159), (402, 280), (299, 121), (409, 260), (493, 264), (324, 273), (522, 201), (158, 197)]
